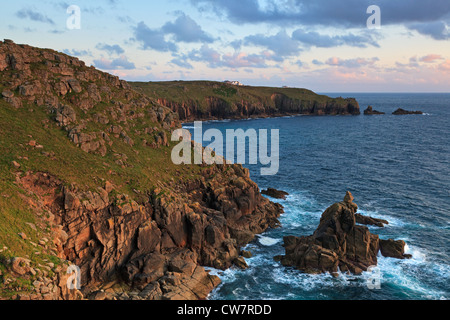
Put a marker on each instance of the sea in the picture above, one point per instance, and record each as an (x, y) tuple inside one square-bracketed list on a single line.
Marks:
[(397, 168)]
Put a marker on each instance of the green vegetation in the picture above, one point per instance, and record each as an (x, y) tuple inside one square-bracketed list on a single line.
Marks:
[(197, 91), (61, 158)]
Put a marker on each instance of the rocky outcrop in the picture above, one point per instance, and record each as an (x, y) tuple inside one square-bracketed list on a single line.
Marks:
[(157, 247), (338, 244), (274, 193), (46, 285), (369, 111), (67, 88), (402, 112)]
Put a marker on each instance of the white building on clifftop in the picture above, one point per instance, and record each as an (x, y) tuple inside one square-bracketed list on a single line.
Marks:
[(234, 83)]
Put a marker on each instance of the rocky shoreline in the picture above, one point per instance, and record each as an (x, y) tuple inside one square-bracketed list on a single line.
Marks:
[(208, 100)]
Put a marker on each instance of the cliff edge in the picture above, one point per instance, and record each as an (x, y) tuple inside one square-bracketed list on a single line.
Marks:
[(209, 100)]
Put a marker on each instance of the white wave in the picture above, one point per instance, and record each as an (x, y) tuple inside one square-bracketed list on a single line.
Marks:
[(267, 241), (407, 273), (306, 282)]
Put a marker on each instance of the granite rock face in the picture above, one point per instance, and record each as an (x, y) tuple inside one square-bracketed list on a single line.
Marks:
[(160, 244), (338, 244)]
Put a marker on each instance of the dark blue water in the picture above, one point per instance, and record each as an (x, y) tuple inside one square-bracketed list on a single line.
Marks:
[(398, 169)]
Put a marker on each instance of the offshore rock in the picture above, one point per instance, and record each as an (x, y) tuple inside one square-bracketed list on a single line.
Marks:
[(394, 249), (369, 111), (401, 112), (337, 244), (277, 194)]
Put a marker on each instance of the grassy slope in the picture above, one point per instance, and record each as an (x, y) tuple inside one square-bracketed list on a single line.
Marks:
[(144, 168)]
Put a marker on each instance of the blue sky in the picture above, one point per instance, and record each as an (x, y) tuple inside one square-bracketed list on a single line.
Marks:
[(323, 45)]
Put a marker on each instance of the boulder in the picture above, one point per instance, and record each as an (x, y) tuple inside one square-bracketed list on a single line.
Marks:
[(65, 115), (394, 249), (7, 94), (240, 263), (75, 85), (274, 193), (20, 266)]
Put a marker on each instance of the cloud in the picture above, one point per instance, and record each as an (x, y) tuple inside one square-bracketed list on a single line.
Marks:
[(181, 63), (326, 12), (78, 53), (317, 62), (438, 30), (445, 66), (152, 38), (312, 38), (431, 58), (119, 63), (34, 16), (111, 49), (185, 29), (351, 63), (206, 54), (235, 60), (281, 43), (243, 60), (413, 63)]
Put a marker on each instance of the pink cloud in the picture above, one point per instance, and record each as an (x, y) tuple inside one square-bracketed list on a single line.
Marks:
[(445, 66), (431, 58)]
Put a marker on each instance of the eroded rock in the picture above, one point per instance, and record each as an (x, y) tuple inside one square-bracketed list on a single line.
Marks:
[(337, 244)]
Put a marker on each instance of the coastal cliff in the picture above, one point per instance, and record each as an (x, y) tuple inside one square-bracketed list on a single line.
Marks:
[(87, 181), (208, 100)]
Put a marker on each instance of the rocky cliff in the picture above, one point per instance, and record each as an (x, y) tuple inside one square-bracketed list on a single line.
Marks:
[(206, 100), (86, 179)]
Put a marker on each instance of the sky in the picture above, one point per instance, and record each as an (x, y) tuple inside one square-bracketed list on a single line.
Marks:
[(322, 45)]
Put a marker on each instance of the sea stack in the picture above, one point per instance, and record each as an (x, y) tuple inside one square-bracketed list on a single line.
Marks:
[(338, 244)]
